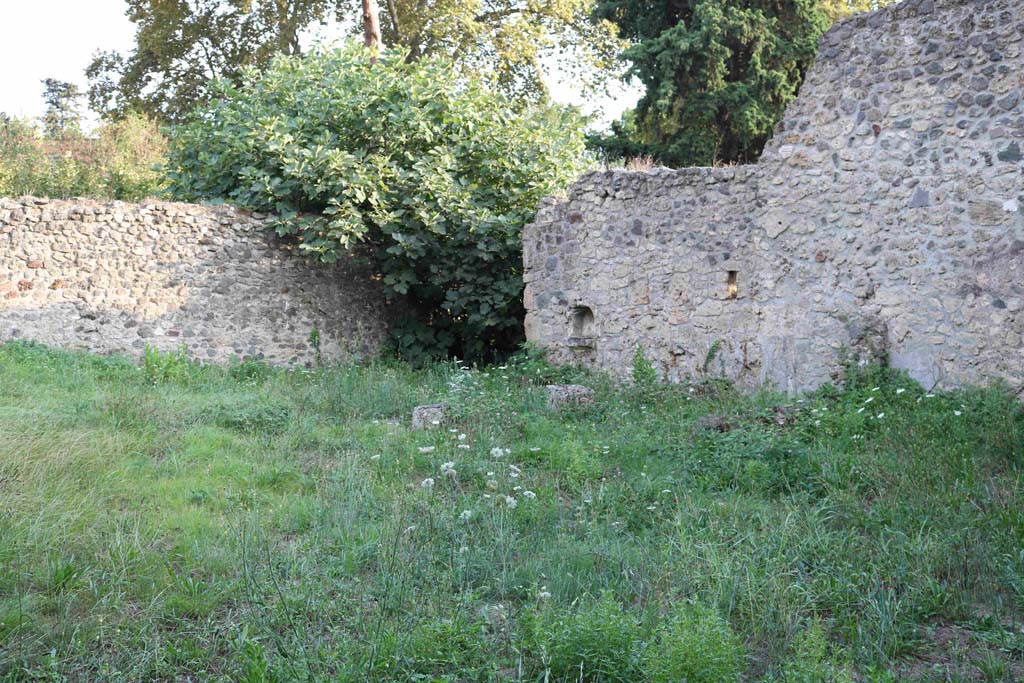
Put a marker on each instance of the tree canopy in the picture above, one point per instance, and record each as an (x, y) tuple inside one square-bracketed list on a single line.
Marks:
[(717, 73), (505, 41), (63, 117), (431, 175), (181, 45)]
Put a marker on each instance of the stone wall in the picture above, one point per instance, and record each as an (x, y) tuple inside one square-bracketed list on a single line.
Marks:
[(886, 217), (115, 277)]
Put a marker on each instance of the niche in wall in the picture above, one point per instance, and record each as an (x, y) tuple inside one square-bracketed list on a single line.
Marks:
[(582, 330), (732, 287)]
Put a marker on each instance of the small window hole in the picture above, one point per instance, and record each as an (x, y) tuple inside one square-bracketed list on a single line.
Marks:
[(732, 288), (582, 322)]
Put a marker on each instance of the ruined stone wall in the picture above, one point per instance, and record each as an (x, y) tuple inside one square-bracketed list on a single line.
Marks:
[(885, 217), (116, 277)]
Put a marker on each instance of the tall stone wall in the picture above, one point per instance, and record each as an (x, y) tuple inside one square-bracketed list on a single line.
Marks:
[(117, 277), (886, 217)]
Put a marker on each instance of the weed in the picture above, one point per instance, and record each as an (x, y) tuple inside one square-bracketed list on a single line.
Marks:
[(830, 537)]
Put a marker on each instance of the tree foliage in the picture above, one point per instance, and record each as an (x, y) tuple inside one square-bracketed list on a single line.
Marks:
[(838, 9), (434, 177), (717, 73), (63, 117), (505, 41), (182, 45)]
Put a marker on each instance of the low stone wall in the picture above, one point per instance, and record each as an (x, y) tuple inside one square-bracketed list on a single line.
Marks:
[(886, 217), (116, 277)]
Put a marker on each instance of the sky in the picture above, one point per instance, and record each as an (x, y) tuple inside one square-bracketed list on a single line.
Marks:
[(57, 39)]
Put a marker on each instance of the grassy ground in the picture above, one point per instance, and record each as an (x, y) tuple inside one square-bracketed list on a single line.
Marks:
[(180, 523)]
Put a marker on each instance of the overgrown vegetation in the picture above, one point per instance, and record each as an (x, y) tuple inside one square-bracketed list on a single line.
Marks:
[(118, 161), (434, 178), (166, 521)]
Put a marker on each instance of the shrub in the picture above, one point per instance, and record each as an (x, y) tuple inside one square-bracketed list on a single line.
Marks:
[(434, 176), (811, 663), (161, 367), (696, 646), (601, 643), (118, 162), (644, 374)]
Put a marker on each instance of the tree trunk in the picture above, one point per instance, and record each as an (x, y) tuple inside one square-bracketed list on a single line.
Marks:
[(371, 28)]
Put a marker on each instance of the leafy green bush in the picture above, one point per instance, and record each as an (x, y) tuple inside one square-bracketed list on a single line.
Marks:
[(644, 374), (118, 162), (160, 367), (696, 646), (434, 176), (601, 643), (811, 663)]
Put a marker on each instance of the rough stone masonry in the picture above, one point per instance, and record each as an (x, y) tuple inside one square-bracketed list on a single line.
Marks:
[(884, 219), (110, 276)]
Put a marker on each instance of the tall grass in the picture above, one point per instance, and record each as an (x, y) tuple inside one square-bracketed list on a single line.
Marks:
[(169, 521)]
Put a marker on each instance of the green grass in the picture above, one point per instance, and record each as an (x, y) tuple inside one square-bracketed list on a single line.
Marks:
[(173, 522)]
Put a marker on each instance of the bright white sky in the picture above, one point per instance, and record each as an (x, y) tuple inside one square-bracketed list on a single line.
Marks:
[(57, 38)]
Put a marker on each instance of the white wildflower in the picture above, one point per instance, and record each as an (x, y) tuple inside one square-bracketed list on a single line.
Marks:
[(870, 399), (929, 395), (426, 449), (427, 483), (375, 456), (876, 388), (464, 549), (448, 470), (652, 507), (514, 468), (880, 416), (900, 391), (861, 410), (957, 413), (462, 437), (463, 446), (511, 502), (514, 475), (544, 595), (535, 450), (529, 495), (466, 515), (666, 491), (490, 474)]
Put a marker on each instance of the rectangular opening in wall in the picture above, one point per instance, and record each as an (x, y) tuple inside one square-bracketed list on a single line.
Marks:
[(732, 289)]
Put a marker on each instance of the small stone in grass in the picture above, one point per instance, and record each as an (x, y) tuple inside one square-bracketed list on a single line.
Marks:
[(429, 416), (560, 395)]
